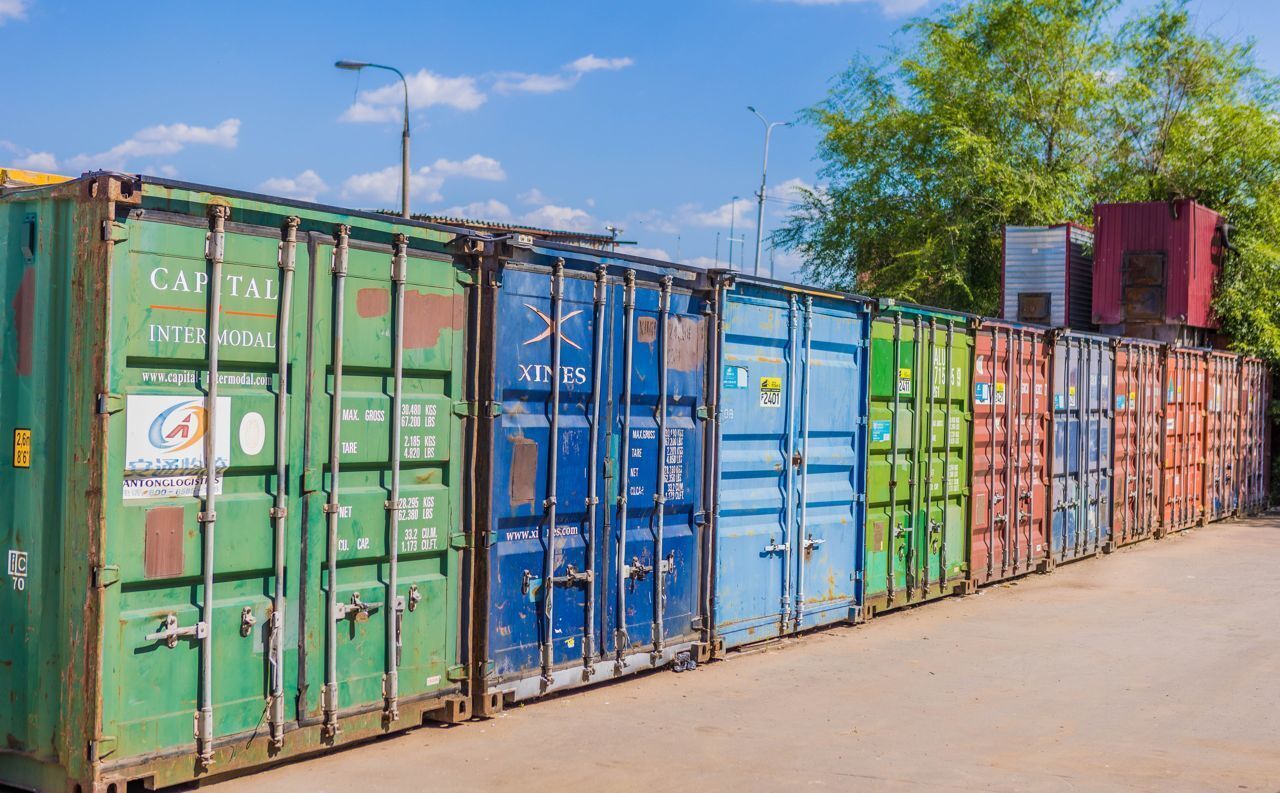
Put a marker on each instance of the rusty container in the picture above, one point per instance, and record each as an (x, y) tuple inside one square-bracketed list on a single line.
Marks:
[(1255, 435), (1222, 436), (1011, 435), (1138, 428), (1182, 487)]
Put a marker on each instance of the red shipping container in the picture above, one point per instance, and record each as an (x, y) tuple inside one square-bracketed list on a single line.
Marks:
[(1222, 436), (1255, 436), (1011, 434), (1154, 268), (1139, 432), (1182, 492)]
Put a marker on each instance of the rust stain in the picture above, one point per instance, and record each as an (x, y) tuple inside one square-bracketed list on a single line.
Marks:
[(162, 547), (427, 314), (686, 343), (373, 302), (24, 319)]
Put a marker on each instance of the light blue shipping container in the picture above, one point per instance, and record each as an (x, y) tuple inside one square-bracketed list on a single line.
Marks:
[(790, 458), (1083, 365)]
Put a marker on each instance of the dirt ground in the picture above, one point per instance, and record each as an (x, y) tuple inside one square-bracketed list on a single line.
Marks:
[(1154, 669)]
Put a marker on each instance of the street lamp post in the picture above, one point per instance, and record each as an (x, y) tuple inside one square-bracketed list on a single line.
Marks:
[(733, 212), (764, 170), (356, 66)]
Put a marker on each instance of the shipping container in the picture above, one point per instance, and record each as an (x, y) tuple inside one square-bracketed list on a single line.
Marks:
[(1155, 265), (790, 458), (1138, 440), (1255, 436), (591, 504), (1222, 436), (1011, 415), (1048, 275), (1182, 489), (1083, 365), (216, 519), (921, 427)]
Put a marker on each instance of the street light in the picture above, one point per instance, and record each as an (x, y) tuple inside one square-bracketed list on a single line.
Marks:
[(764, 169), (355, 66)]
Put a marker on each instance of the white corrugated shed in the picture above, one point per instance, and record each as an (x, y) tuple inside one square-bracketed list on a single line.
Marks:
[(1037, 268)]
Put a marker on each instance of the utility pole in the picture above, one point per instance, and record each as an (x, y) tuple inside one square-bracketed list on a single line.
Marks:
[(764, 171)]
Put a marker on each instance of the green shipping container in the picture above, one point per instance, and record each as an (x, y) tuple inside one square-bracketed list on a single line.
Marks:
[(333, 613), (918, 471)]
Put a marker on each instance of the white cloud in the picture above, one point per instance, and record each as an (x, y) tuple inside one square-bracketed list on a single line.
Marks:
[(534, 196), (477, 166), (889, 7), (705, 262), (590, 63), (38, 161), (162, 139), (722, 216), (566, 78), (479, 210), (306, 186), (12, 9), (384, 186), (426, 89), (558, 217), (652, 253)]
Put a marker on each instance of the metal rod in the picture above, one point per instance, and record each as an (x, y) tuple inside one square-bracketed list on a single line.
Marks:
[(946, 478), (913, 489), (660, 493), (395, 612), (553, 471), (1034, 480), (332, 508), (628, 339), (593, 464), (929, 456), (1008, 531), (788, 530), (1013, 395), (804, 461), (280, 508), (991, 456), (893, 458), (215, 246)]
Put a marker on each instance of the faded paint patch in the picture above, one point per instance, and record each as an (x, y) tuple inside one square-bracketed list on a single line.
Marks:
[(24, 306), (427, 314), (647, 329), (373, 301), (686, 343), (524, 471)]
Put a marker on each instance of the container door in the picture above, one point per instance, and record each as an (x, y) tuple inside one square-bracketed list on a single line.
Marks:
[(942, 537), (658, 399), (831, 450), (175, 653), (381, 609), (987, 556), (539, 597), (1066, 523), (755, 522), (1100, 362)]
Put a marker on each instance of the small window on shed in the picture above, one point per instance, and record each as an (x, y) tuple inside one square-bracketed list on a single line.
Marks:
[(1035, 307)]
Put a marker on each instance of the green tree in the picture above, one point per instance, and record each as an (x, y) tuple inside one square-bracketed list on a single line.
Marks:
[(1029, 112)]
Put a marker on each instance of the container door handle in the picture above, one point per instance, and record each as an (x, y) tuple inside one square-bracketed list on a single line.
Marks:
[(170, 633)]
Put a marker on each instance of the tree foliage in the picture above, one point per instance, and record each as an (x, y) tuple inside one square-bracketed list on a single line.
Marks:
[(1028, 112)]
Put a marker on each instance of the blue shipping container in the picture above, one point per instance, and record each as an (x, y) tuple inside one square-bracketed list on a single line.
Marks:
[(592, 444), (791, 459), (1083, 366)]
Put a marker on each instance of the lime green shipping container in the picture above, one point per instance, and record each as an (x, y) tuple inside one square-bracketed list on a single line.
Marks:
[(333, 613), (918, 469)]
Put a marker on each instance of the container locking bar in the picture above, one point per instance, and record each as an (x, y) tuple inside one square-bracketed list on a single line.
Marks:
[(391, 679), (593, 463), (789, 527), (890, 572), (628, 338), (215, 246), (170, 633), (279, 510), (660, 490), (807, 542), (332, 508), (553, 470)]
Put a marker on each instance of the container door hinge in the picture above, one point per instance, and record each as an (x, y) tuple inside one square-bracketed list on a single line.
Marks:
[(704, 412), (114, 232), (469, 410), (700, 518), (104, 575), (458, 673), (101, 747), (110, 403), (459, 540), (464, 277)]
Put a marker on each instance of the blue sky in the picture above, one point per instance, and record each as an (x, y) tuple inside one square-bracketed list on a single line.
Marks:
[(553, 113)]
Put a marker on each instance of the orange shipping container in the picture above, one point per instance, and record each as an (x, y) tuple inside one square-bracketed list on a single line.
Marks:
[(1222, 436), (1139, 430), (1255, 436), (1184, 408)]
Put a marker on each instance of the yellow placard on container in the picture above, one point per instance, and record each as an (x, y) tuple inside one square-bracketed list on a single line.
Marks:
[(770, 392), (22, 448)]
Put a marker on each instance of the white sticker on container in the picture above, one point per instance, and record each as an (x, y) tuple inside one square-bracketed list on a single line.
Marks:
[(17, 568), (253, 433), (164, 445)]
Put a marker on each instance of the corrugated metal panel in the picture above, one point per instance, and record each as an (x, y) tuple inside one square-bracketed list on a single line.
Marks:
[(1222, 436), (1255, 435), (791, 459), (1139, 429), (1186, 376), (918, 470), (1082, 396), (1080, 275), (1174, 245), (595, 508), (1010, 451), (1035, 258)]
